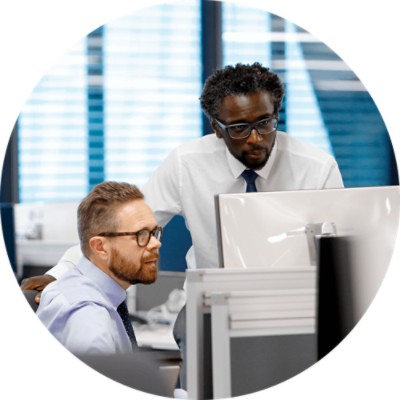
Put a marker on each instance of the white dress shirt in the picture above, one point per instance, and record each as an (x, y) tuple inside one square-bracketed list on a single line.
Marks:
[(80, 310), (187, 181)]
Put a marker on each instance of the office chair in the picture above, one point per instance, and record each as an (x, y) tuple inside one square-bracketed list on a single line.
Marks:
[(136, 370), (30, 298)]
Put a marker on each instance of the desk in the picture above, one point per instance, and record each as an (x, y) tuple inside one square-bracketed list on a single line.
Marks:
[(157, 337)]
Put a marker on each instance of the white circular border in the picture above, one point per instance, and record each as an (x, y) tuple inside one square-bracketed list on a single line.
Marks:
[(363, 34)]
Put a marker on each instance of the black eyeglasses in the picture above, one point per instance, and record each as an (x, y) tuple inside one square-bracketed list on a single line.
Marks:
[(142, 237), (243, 130)]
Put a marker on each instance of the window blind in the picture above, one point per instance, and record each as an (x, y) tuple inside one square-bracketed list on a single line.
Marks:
[(114, 106), (52, 133), (248, 36), (122, 98), (152, 83)]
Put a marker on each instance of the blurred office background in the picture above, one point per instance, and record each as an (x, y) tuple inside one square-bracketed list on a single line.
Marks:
[(123, 97)]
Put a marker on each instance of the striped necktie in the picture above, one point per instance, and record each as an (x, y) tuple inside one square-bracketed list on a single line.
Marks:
[(250, 177), (123, 313)]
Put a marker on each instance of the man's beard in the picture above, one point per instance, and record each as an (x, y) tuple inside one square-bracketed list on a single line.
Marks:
[(255, 165), (124, 270), (252, 165)]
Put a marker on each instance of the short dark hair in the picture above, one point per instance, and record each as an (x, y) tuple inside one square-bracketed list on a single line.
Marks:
[(238, 80), (96, 212)]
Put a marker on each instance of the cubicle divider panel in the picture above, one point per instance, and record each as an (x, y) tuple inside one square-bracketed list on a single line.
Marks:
[(280, 285)]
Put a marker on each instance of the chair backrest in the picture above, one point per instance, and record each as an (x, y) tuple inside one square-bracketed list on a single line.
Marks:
[(138, 371), (30, 298)]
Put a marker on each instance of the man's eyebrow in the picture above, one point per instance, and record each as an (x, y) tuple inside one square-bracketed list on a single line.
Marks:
[(148, 228), (242, 121)]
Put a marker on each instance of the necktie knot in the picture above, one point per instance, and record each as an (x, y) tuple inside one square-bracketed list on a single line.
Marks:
[(250, 177)]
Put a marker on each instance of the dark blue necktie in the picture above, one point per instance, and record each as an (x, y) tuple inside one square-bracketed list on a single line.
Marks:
[(250, 177), (123, 313)]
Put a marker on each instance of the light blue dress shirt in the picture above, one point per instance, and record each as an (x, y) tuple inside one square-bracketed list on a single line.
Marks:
[(80, 310)]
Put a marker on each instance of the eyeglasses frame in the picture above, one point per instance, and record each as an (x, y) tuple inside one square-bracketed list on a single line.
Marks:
[(158, 229), (249, 128)]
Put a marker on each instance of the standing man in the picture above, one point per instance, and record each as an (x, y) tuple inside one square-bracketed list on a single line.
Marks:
[(242, 103), (247, 153), (85, 308)]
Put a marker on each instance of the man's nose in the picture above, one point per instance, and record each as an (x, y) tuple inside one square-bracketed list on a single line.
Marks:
[(154, 243), (254, 136)]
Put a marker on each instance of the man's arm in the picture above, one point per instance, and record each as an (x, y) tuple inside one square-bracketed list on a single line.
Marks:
[(88, 330), (332, 179), (37, 283), (66, 262), (162, 190), (83, 327)]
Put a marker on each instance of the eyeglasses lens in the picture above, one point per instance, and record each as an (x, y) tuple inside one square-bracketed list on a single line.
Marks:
[(144, 236), (263, 127)]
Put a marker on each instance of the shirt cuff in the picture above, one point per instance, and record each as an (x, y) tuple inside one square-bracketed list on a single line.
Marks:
[(68, 261)]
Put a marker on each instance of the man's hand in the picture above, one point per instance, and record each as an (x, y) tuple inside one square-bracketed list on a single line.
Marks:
[(37, 283)]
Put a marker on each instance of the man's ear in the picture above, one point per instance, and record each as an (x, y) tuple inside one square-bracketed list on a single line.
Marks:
[(216, 128), (99, 246)]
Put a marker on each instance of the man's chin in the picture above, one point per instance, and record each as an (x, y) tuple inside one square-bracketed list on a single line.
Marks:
[(145, 280), (148, 281), (254, 164)]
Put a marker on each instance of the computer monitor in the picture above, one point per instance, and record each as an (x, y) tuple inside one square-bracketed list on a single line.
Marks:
[(285, 229)]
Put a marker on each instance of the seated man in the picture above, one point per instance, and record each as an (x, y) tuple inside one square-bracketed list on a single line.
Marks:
[(119, 239)]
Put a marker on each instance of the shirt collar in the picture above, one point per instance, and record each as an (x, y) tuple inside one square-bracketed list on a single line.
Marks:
[(108, 286), (236, 167)]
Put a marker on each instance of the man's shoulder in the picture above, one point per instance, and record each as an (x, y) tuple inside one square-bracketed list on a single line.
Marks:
[(74, 288), (202, 145), (292, 146)]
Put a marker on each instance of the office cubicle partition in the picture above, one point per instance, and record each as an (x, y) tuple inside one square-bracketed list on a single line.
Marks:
[(262, 329)]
